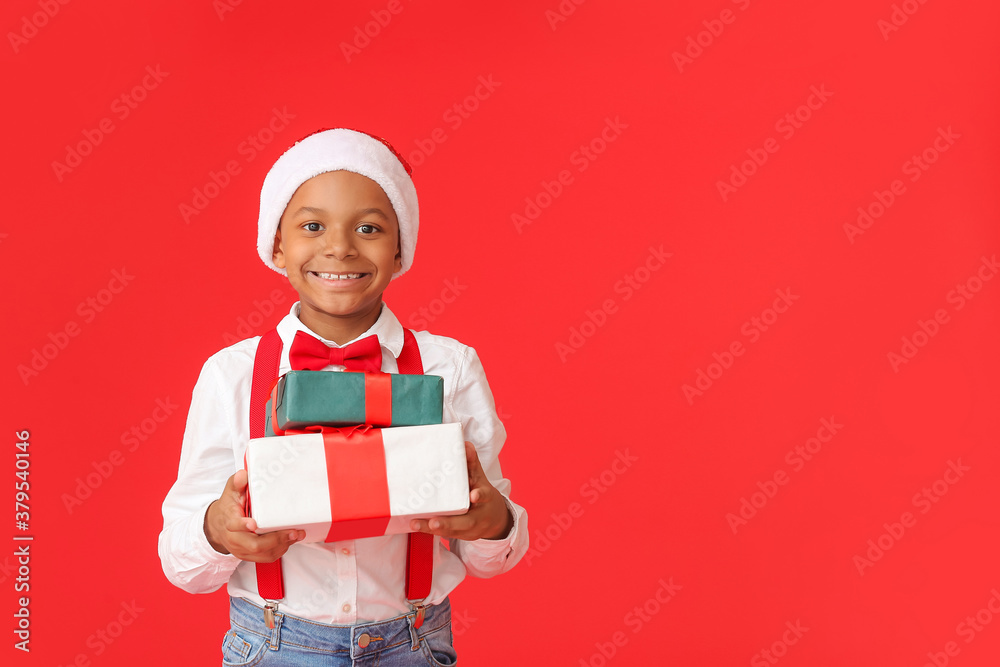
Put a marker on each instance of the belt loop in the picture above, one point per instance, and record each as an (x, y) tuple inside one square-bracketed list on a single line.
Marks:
[(274, 642), (414, 639)]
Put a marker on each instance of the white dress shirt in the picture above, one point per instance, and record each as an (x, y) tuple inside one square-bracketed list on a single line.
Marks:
[(348, 582)]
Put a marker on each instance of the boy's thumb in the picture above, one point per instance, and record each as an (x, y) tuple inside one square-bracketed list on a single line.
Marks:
[(240, 481)]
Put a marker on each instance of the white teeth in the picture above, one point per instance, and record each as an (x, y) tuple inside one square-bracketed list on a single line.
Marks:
[(338, 276)]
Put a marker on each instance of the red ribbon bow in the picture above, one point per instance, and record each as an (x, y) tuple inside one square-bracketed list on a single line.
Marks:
[(309, 354)]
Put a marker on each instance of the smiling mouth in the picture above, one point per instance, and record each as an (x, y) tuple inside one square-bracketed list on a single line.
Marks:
[(338, 276)]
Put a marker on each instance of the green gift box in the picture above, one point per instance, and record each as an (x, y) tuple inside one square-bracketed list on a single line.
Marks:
[(329, 398)]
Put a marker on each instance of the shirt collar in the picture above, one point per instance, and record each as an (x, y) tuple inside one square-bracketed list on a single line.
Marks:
[(386, 327)]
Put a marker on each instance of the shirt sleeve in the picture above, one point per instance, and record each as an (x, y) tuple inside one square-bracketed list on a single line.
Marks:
[(473, 403), (207, 461)]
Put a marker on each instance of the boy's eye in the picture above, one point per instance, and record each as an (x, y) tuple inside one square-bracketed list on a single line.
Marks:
[(367, 229), (313, 227)]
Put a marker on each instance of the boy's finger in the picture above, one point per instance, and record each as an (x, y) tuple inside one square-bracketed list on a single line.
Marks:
[(435, 525), (268, 547), (452, 526), (240, 524), (240, 480), (237, 483), (480, 490), (260, 549), (431, 526), (472, 457), (476, 474)]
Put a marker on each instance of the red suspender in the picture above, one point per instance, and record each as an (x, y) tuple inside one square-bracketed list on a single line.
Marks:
[(420, 550), (409, 361), (270, 583)]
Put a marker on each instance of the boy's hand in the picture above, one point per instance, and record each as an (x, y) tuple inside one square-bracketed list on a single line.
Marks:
[(488, 516), (230, 531)]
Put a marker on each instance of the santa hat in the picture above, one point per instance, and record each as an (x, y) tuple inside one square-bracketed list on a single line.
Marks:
[(333, 150)]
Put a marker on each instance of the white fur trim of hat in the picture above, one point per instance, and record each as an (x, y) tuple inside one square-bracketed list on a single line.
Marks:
[(333, 150)]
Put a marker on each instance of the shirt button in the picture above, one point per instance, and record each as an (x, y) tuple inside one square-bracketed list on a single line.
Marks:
[(346, 608), (346, 552)]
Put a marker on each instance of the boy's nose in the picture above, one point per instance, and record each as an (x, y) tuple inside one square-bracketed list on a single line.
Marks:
[(339, 243)]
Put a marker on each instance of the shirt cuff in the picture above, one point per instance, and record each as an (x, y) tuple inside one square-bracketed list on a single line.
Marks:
[(204, 569)]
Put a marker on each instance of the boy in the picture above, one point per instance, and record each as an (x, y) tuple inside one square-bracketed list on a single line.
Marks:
[(339, 218)]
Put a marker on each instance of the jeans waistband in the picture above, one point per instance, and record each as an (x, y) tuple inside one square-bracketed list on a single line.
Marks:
[(356, 640)]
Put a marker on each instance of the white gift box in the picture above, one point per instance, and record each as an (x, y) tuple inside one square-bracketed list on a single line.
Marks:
[(374, 481)]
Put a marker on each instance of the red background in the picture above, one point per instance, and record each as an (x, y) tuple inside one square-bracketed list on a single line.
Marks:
[(523, 292)]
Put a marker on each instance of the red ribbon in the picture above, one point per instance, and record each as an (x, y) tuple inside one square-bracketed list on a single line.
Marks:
[(378, 399), (378, 404), (356, 478), (359, 490)]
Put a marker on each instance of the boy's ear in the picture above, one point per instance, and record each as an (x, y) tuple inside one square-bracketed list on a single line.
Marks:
[(398, 260), (278, 256)]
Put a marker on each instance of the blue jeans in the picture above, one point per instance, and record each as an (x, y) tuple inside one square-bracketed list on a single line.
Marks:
[(298, 642)]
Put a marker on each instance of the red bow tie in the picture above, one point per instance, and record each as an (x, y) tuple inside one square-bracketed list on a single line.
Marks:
[(308, 353)]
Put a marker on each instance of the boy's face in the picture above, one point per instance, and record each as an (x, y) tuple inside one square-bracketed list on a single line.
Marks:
[(338, 240)]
